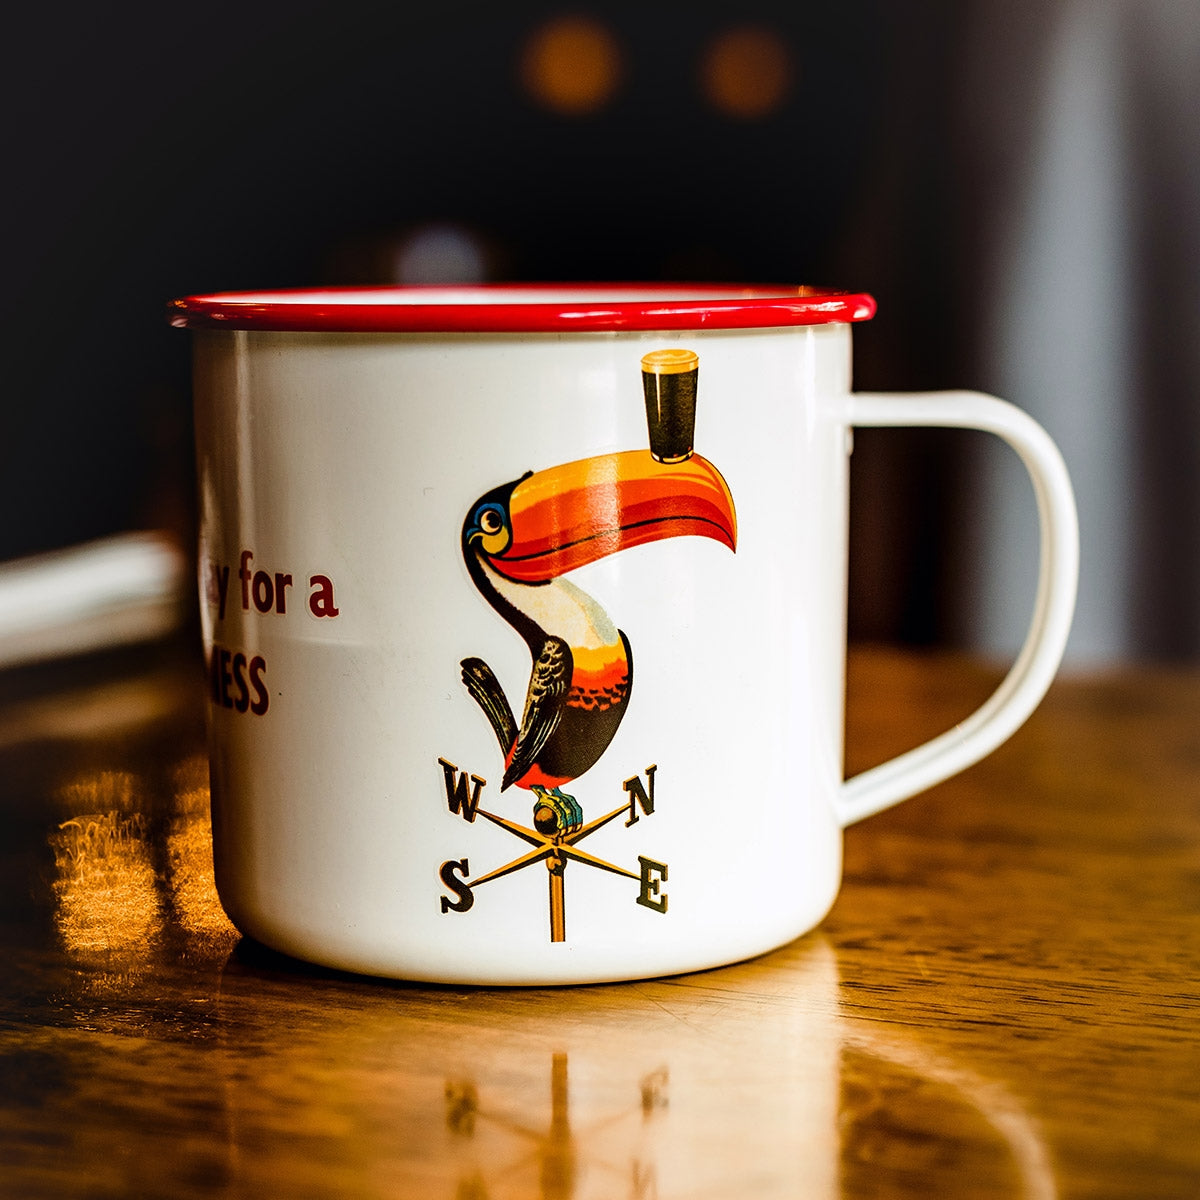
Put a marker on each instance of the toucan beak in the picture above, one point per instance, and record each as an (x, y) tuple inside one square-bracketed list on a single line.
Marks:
[(568, 516)]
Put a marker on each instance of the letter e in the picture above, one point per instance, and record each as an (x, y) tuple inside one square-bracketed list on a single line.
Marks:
[(653, 873), (224, 675)]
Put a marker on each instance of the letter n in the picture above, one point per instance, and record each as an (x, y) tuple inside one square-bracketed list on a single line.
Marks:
[(638, 794), (459, 797)]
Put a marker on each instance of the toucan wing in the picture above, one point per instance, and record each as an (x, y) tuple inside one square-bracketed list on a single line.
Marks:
[(543, 707), (483, 685)]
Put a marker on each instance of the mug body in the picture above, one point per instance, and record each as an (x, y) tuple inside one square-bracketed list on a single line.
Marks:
[(496, 695)]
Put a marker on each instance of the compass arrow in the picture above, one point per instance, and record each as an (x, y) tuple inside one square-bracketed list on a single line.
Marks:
[(592, 826), (592, 861), (527, 835), (526, 860)]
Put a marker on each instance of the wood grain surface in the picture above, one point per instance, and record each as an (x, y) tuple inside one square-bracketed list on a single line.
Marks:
[(1003, 1002)]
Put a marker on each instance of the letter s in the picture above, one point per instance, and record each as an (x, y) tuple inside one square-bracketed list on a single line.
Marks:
[(242, 700), (449, 872), (258, 668)]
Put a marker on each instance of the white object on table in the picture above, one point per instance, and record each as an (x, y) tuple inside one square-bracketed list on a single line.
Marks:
[(116, 591)]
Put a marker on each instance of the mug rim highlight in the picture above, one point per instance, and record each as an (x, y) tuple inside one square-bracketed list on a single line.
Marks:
[(521, 308)]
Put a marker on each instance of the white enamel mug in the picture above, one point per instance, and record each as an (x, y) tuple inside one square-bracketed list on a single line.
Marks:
[(439, 528)]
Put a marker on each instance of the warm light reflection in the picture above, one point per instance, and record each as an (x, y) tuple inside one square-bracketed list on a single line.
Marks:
[(189, 858), (746, 73), (556, 1093), (189, 783), (554, 1145), (940, 1117), (106, 894), (571, 65), (749, 1080), (101, 791), (120, 891)]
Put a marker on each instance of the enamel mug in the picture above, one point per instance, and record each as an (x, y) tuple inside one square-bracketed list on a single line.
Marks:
[(524, 610)]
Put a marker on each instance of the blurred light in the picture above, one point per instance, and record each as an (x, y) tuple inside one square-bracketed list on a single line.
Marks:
[(112, 877), (107, 901), (746, 72), (441, 254), (193, 889), (190, 781), (571, 65), (115, 591), (100, 791)]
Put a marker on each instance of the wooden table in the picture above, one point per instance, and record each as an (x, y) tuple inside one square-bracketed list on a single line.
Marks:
[(1003, 1002)]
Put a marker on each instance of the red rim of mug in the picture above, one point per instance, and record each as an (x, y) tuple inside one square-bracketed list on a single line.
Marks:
[(520, 308)]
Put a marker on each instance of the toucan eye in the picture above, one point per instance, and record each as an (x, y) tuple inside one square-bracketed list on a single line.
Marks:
[(490, 521)]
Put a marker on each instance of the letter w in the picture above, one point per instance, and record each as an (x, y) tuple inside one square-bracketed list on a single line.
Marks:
[(459, 797)]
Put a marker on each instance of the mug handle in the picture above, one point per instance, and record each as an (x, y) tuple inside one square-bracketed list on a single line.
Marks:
[(1028, 679)]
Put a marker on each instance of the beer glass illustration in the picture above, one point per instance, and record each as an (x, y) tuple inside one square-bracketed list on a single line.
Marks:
[(669, 378)]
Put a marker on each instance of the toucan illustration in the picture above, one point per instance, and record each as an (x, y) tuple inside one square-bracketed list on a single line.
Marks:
[(519, 541)]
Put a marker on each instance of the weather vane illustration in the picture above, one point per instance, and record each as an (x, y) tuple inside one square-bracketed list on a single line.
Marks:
[(561, 1149), (519, 541)]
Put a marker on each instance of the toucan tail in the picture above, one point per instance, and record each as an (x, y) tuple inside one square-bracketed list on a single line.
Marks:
[(489, 695)]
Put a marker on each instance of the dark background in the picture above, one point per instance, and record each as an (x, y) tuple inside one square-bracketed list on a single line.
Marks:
[(155, 150)]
